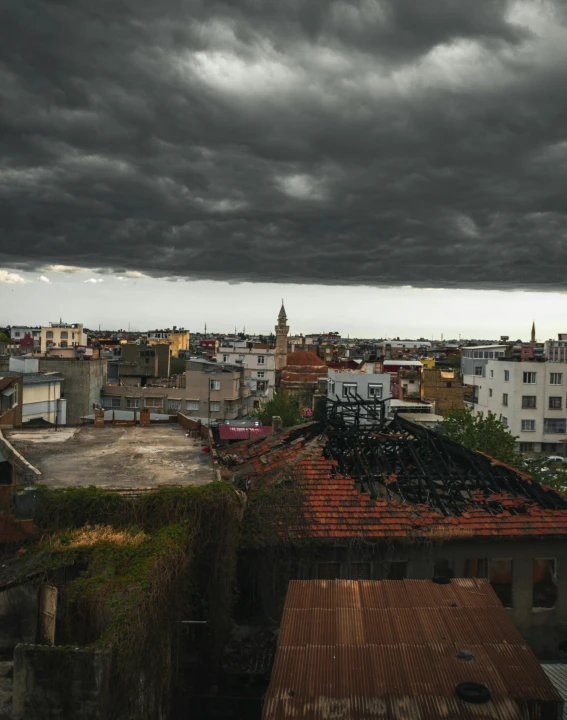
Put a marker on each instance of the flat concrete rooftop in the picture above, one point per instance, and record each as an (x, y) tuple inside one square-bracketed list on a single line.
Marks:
[(115, 457)]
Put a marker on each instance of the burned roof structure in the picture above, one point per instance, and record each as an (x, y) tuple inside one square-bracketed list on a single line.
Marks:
[(362, 474), (399, 460)]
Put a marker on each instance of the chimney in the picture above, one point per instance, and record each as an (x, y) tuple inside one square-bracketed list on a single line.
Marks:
[(277, 424), (99, 417)]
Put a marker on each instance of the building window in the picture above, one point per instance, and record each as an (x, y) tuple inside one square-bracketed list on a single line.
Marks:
[(49, 334), (478, 370), (329, 571), (17, 333), (360, 570), (506, 376), (504, 420), (556, 426), (174, 404), (492, 373), (449, 383), (528, 401), (261, 359), (501, 580), (214, 384), (555, 378), (555, 403), (64, 335), (397, 570), (526, 447), (256, 404), (489, 392), (476, 568), (375, 391), (530, 378), (544, 583), (528, 425), (331, 387), (260, 373), (504, 398), (442, 568), (111, 401), (132, 403), (214, 406), (153, 402), (225, 358), (192, 405), (350, 389)]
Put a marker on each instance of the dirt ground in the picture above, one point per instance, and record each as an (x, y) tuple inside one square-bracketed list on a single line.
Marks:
[(115, 457)]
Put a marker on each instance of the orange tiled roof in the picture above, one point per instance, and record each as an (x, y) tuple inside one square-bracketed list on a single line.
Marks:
[(333, 506)]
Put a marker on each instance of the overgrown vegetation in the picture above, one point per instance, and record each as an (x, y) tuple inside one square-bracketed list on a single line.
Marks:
[(130, 569), (282, 405), (491, 436)]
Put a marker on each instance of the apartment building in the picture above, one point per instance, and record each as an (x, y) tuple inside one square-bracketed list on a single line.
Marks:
[(26, 336), (556, 350), (42, 399), (259, 363), (62, 335), (530, 396), (178, 339), (345, 385), (208, 391)]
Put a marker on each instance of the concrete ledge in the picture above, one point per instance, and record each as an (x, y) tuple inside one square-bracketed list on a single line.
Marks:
[(23, 471)]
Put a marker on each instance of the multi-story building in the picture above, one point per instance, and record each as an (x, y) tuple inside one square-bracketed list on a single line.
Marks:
[(529, 395), (556, 350), (178, 339), (26, 336), (349, 385), (41, 392), (140, 362), (259, 362), (208, 391), (63, 335)]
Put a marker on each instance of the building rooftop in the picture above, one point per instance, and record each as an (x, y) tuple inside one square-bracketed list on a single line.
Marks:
[(115, 457), (397, 479), (37, 378), (400, 648)]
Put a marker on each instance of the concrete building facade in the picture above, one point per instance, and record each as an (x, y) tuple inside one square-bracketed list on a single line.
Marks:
[(11, 395), (41, 392), (25, 335), (345, 385), (259, 362), (83, 381), (63, 335), (530, 397)]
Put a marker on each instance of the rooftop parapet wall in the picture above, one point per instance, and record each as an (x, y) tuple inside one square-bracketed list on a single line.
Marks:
[(22, 471)]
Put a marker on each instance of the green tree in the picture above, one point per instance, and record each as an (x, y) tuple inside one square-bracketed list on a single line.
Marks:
[(4, 338), (284, 406), (487, 434)]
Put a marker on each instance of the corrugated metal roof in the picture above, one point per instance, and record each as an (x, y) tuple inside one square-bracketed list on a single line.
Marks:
[(226, 432), (557, 673), (388, 649)]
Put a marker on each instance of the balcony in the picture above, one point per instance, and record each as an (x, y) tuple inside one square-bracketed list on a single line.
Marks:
[(470, 399)]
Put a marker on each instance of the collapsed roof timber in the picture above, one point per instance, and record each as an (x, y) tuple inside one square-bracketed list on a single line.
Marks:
[(401, 461)]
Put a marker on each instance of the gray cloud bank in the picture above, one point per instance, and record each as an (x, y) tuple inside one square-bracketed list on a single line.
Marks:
[(368, 141)]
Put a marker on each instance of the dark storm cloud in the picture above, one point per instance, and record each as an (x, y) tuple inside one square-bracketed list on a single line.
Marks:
[(377, 142)]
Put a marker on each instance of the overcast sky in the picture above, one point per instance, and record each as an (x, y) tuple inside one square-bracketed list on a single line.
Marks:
[(352, 148)]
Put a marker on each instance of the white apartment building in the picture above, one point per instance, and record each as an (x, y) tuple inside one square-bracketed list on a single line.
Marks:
[(530, 396), (259, 364), (62, 335), (345, 385)]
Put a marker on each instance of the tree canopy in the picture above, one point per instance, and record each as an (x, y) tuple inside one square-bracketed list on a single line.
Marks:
[(282, 405), (491, 436)]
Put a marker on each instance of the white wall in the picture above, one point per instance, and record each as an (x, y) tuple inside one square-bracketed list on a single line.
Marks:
[(516, 388)]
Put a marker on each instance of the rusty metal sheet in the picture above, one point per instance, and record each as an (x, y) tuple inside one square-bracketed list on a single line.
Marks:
[(388, 650)]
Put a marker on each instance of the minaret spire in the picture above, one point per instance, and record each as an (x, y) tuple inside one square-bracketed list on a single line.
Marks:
[(533, 340)]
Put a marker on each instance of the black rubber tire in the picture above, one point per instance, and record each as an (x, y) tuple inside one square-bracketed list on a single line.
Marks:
[(473, 692)]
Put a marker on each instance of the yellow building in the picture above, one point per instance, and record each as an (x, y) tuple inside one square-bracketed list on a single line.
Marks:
[(62, 335), (177, 339), (428, 363)]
